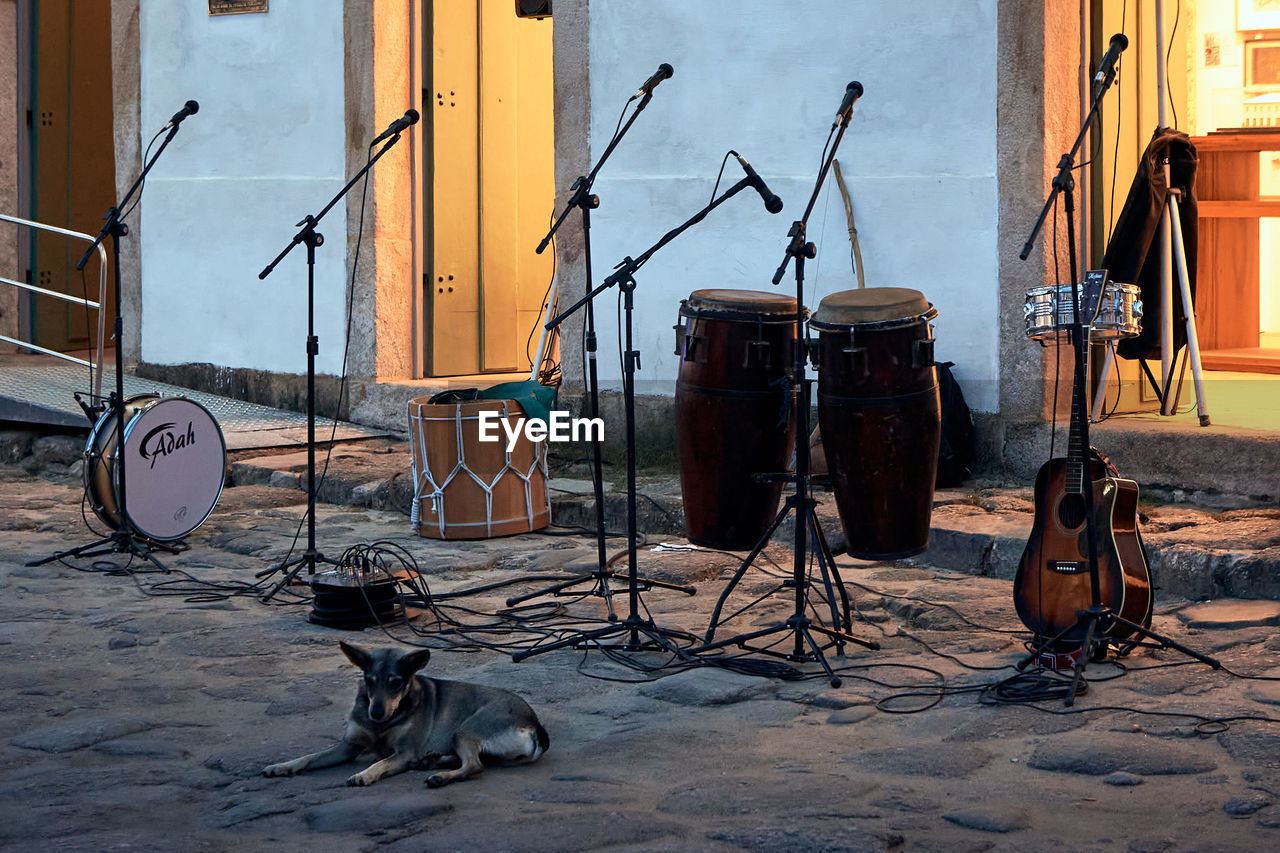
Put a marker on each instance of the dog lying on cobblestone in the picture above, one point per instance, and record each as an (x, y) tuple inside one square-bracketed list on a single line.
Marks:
[(412, 722)]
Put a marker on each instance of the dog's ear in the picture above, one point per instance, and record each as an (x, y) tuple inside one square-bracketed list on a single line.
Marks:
[(414, 661), (355, 654)]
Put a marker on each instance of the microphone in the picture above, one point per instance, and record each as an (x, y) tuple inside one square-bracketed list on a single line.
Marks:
[(772, 203), (851, 93), (190, 108), (410, 117), (1107, 67), (664, 71)]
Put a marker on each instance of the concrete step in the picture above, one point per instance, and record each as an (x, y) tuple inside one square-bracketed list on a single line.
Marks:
[(1193, 553)]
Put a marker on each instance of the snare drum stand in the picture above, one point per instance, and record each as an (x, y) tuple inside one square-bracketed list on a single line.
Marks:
[(601, 575), (806, 646), (312, 238), (641, 634), (125, 539)]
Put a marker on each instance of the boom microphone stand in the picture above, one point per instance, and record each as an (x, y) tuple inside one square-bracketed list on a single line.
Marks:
[(1098, 618), (633, 627), (313, 238), (802, 629), (125, 538), (585, 201)]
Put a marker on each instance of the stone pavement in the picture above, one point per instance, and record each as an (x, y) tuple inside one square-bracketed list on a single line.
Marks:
[(138, 710)]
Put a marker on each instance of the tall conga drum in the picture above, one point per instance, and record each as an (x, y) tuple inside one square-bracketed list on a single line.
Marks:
[(733, 412), (880, 416)]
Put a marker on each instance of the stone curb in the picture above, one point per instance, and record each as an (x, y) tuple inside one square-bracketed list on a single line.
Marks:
[(982, 540)]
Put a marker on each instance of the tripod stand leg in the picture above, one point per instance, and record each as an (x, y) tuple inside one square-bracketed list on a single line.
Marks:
[(93, 549), (1165, 642), (742, 569), (1193, 339), (825, 561), (803, 631), (1078, 669)]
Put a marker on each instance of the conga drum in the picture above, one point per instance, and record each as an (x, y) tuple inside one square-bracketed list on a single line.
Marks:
[(465, 488), (880, 416), (733, 412)]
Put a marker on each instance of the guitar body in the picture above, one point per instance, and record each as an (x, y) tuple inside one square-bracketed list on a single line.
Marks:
[(1052, 582)]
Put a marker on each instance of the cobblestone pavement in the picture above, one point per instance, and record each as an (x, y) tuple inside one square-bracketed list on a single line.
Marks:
[(138, 710)]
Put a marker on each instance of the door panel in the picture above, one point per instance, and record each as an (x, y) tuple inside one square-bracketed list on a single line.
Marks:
[(73, 160), (492, 184)]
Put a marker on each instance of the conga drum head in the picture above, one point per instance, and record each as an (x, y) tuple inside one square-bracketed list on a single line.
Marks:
[(871, 306), (739, 305)]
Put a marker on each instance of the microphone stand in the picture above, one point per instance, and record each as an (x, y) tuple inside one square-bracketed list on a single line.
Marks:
[(657, 639), (312, 238), (806, 647), (125, 539), (601, 575), (1098, 618)]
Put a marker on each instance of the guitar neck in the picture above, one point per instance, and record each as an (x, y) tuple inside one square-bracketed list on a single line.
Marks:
[(1074, 471)]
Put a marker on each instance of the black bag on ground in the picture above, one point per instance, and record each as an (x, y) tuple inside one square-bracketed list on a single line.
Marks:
[(955, 452)]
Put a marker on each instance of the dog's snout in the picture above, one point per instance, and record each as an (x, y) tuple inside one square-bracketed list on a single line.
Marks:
[(377, 712)]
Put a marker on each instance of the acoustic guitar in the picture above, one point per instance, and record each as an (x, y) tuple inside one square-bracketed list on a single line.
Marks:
[(1052, 582)]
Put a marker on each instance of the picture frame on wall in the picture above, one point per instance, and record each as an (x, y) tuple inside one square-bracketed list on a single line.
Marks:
[(1257, 15), (1262, 65)]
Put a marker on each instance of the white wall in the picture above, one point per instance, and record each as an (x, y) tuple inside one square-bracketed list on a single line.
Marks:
[(766, 79), (265, 149)]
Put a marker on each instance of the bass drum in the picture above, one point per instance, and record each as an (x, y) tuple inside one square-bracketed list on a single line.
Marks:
[(175, 466)]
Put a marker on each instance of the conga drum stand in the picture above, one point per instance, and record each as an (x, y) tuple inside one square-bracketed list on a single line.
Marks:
[(312, 238), (810, 639), (640, 634), (600, 576), (124, 539)]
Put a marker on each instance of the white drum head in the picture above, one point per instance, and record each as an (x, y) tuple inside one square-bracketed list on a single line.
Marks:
[(175, 462)]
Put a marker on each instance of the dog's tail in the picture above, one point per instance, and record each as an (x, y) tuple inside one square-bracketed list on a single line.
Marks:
[(543, 740)]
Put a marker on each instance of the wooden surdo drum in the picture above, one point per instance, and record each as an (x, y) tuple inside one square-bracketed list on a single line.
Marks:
[(464, 488), (733, 412), (880, 416)]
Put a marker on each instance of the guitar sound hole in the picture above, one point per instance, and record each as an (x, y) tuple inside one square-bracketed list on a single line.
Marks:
[(1071, 511)]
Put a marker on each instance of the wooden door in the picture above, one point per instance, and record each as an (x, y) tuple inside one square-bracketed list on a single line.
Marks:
[(72, 161), (491, 184)]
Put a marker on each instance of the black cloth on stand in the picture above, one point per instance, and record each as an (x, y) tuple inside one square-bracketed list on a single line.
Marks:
[(1133, 252)]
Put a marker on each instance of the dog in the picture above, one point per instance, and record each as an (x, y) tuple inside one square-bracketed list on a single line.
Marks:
[(412, 722)]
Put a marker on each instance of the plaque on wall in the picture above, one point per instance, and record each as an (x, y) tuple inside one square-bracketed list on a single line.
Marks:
[(236, 7)]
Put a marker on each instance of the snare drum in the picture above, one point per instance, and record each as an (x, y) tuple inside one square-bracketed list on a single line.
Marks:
[(1049, 312), (733, 418), (880, 416), (175, 466)]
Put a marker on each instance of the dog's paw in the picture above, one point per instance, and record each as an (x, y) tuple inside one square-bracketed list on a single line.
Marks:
[(438, 781), (359, 781), (283, 769)]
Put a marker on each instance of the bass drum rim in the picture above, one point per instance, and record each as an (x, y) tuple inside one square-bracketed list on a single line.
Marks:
[(100, 469)]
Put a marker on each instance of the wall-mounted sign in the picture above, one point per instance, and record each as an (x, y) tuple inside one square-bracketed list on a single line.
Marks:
[(236, 7)]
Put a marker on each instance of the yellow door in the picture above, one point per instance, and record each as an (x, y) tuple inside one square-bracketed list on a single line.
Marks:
[(73, 159), (491, 184)]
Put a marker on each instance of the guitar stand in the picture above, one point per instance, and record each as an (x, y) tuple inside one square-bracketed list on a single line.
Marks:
[(1098, 617)]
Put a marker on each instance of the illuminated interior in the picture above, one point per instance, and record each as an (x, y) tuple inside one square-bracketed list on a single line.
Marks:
[(1223, 61)]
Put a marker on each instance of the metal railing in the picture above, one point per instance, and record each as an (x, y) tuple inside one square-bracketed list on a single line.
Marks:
[(94, 366)]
